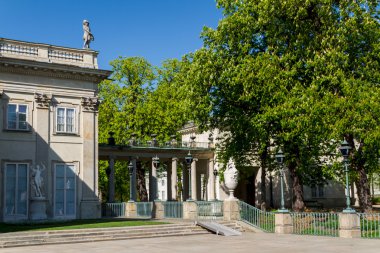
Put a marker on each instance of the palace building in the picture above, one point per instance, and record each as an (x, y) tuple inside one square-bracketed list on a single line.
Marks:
[(48, 132)]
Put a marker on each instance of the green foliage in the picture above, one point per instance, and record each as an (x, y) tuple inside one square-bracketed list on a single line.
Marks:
[(297, 74), (139, 99), (376, 200)]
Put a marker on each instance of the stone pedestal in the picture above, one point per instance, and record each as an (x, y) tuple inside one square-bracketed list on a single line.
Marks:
[(158, 210), (349, 225), (283, 223), (38, 209), (131, 210), (231, 209), (190, 211)]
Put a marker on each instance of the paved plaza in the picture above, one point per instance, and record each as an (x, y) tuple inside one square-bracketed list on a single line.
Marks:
[(248, 242)]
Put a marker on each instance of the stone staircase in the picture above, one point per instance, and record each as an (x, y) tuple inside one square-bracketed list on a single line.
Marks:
[(18, 239)]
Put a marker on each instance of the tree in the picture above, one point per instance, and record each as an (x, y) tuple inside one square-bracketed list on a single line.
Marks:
[(165, 109), (142, 100), (276, 70), (122, 97)]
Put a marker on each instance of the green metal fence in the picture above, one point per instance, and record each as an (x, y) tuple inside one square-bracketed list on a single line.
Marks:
[(144, 209), (173, 209), (370, 225), (257, 218), (323, 224), (209, 210), (113, 209)]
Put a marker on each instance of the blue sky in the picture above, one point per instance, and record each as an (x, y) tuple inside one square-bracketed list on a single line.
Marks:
[(154, 29)]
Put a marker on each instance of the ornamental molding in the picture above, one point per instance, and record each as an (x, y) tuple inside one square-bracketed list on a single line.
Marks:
[(42, 100), (90, 104), (53, 70)]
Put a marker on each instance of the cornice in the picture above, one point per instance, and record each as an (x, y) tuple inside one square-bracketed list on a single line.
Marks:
[(26, 67)]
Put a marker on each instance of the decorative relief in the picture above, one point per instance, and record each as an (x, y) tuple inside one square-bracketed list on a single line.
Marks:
[(90, 103), (42, 100)]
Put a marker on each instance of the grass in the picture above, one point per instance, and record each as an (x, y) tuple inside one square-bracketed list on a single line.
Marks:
[(370, 227), (75, 224)]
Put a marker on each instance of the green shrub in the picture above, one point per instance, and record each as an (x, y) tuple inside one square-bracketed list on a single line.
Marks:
[(376, 200)]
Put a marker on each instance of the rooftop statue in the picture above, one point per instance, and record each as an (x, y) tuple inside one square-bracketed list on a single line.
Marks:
[(87, 35)]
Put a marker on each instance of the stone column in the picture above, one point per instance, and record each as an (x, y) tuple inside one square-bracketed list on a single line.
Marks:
[(153, 184), (169, 172), (211, 180), (174, 179), (194, 180), (111, 180), (283, 223), (349, 225), (185, 182), (134, 185)]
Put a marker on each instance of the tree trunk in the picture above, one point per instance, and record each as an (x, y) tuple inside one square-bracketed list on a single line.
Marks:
[(298, 204), (141, 187), (362, 184), (263, 161), (364, 193)]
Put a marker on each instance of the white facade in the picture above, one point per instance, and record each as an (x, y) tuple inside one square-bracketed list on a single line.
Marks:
[(48, 136)]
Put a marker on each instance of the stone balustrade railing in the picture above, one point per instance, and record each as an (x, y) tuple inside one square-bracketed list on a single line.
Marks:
[(47, 53)]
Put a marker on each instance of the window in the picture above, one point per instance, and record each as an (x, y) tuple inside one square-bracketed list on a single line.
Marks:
[(16, 189), (17, 117), (65, 120), (317, 191), (64, 201)]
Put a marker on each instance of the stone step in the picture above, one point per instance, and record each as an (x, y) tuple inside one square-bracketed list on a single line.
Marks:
[(88, 236), (92, 230), (95, 230), (94, 239)]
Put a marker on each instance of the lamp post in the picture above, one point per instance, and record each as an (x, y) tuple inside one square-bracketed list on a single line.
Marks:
[(215, 172), (345, 150), (130, 169), (280, 160), (156, 163), (189, 160)]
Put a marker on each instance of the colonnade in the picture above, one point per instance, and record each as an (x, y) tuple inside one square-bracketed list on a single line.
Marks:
[(188, 186)]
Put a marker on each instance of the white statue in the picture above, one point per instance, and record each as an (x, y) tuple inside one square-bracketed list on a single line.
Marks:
[(87, 35), (38, 180)]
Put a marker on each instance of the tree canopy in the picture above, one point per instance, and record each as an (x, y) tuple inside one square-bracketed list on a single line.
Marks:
[(296, 74)]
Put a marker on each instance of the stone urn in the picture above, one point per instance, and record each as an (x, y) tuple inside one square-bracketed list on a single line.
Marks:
[(231, 178)]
